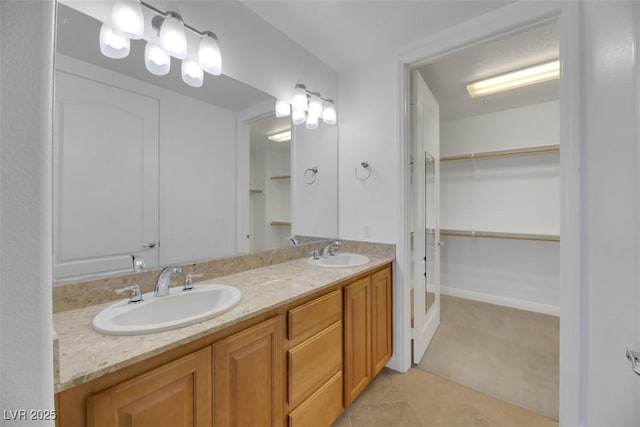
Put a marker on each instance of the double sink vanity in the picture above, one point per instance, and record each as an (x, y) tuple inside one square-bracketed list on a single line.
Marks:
[(293, 343)]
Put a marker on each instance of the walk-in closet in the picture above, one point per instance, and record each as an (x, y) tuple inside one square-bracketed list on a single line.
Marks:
[(499, 223)]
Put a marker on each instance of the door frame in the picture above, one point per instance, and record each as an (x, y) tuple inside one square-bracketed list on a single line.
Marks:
[(243, 169), (572, 297)]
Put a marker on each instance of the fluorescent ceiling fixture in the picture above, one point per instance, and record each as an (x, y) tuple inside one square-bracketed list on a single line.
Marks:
[(281, 136), (515, 79)]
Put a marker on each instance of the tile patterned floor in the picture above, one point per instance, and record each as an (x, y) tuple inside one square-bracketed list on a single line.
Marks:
[(419, 398)]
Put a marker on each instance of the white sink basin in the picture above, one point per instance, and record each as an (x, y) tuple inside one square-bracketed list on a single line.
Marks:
[(155, 314), (340, 260)]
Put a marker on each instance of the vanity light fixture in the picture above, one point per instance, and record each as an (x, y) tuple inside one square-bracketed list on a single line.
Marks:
[(284, 136), (312, 122), (192, 74), (329, 113), (515, 79), (298, 116), (170, 30), (156, 60), (307, 107), (127, 19), (283, 109), (127, 22), (113, 45), (209, 54)]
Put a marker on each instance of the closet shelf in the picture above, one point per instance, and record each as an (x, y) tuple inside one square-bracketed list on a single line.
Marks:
[(503, 153), (501, 235), (281, 223), (281, 177), (255, 191)]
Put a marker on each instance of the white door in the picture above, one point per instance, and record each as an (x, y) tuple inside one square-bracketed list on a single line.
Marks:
[(105, 178), (425, 187)]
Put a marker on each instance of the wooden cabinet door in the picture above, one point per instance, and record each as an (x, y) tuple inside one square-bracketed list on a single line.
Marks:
[(357, 336), (381, 332), (176, 394), (249, 376)]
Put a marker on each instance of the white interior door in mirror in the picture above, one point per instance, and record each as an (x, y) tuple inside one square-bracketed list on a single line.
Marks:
[(105, 177)]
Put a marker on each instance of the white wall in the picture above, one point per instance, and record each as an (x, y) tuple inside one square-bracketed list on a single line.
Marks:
[(515, 194), (368, 132), (523, 127), (26, 102)]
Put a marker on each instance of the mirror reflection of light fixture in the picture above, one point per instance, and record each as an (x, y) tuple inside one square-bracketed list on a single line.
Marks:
[(284, 136), (312, 122), (127, 19), (298, 116), (192, 74), (156, 60), (113, 45), (307, 107), (315, 106), (283, 109), (329, 113), (209, 55), (299, 101), (515, 79)]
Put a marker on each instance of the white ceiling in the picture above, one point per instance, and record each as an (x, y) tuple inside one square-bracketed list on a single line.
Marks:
[(345, 33), (447, 78), (263, 127)]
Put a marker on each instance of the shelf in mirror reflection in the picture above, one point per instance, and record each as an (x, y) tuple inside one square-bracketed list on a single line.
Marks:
[(281, 223)]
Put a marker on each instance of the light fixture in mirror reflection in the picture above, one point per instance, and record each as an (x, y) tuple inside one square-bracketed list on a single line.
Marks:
[(147, 166), (307, 107), (169, 39)]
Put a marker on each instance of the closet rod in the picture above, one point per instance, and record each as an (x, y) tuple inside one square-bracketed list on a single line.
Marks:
[(499, 235), (503, 153)]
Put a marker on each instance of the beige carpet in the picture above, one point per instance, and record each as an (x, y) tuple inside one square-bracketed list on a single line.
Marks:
[(509, 354), (418, 398)]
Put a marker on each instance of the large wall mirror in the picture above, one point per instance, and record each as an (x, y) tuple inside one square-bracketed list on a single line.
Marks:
[(146, 165)]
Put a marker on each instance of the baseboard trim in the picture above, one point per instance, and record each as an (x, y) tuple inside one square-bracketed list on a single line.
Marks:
[(503, 301)]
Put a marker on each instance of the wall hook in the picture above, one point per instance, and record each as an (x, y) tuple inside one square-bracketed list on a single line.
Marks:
[(367, 167), (310, 175)]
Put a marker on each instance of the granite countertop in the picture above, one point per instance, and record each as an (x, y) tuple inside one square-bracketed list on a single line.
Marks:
[(85, 354)]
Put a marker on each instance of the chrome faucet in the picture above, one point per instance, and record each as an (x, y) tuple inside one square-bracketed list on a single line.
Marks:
[(164, 280), (330, 247)]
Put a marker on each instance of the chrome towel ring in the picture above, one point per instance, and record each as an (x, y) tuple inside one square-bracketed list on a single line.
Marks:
[(367, 167)]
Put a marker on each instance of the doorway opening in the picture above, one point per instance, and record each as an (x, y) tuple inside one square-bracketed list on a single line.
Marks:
[(485, 219)]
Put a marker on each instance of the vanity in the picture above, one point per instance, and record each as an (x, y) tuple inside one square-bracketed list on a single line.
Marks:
[(300, 346)]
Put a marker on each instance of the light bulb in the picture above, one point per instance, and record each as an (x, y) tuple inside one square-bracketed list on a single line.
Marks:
[(329, 113), (113, 45), (315, 106), (312, 122), (192, 74), (156, 60), (209, 54), (299, 98), (298, 116), (127, 19), (283, 109), (172, 37)]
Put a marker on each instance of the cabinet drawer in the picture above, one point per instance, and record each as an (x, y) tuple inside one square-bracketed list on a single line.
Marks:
[(312, 317), (321, 408), (313, 362)]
